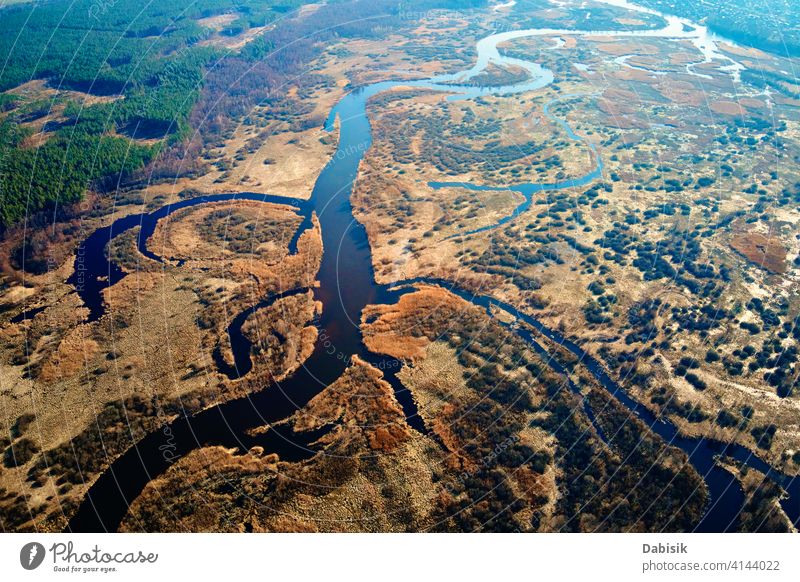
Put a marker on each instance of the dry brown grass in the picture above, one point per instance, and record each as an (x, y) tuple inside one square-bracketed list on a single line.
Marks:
[(281, 336), (763, 251), (41, 90), (218, 22), (387, 332), (728, 108), (184, 235), (362, 406)]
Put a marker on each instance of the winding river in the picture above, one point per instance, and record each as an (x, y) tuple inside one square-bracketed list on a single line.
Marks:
[(347, 285)]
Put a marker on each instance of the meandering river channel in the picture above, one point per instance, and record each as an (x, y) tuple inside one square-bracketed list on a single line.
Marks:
[(347, 285)]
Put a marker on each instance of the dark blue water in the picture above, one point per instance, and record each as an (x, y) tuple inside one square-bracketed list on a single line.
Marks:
[(28, 314)]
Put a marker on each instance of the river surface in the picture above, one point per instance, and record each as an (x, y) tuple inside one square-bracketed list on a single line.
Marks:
[(347, 285)]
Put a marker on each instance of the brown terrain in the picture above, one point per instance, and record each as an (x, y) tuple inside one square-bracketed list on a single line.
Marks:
[(761, 250), (95, 386), (374, 473), (677, 270)]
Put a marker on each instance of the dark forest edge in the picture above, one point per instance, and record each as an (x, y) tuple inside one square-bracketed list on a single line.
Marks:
[(159, 81)]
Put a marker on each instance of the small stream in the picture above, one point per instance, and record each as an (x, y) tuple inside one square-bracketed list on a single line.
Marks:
[(529, 189)]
